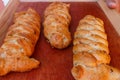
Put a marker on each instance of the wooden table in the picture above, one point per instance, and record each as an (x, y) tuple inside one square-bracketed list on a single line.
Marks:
[(56, 64)]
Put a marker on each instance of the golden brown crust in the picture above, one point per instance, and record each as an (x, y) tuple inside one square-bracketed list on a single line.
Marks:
[(87, 26), (91, 53), (95, 38), (101, 72), (19, 43), (84, 58), (56, 25)]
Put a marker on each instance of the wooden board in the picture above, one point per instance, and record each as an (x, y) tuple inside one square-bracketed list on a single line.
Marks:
[(56, 64)]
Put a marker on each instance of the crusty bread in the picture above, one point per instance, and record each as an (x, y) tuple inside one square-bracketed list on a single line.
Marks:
[(19, 43), (56, 24), (90, 52), (100, 72)]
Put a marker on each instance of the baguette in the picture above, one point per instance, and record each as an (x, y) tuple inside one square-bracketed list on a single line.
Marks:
[(90, 52), (56, 25), (19, 43)]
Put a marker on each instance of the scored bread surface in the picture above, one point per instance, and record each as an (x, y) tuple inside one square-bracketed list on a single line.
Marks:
[(56, 24), (90, 52), (19, 43)]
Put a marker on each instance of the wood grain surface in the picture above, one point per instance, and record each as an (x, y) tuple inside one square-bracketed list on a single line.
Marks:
[(56, 64)]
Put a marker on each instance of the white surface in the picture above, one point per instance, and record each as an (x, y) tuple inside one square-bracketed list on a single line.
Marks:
[(5, 2)]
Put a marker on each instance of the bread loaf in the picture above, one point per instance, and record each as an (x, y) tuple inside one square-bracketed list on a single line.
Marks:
[(19, 43), (90, 52), (56, 25)]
